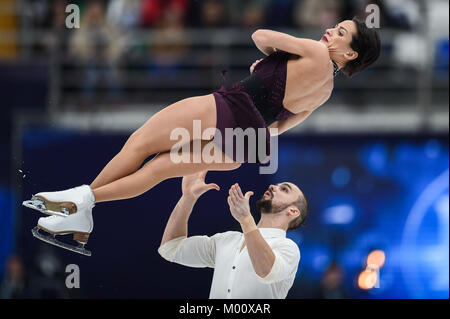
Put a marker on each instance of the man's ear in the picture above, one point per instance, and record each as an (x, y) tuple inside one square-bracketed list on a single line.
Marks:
[(293, 211)]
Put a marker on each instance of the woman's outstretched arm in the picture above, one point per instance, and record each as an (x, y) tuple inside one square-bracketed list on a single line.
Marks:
[(268, 40), (284, 125), (262, 46)]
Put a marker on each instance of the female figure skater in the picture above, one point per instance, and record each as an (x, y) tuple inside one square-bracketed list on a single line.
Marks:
[(283, 89)]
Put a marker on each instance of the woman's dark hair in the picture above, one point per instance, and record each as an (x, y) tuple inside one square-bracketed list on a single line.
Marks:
[(367, 43)]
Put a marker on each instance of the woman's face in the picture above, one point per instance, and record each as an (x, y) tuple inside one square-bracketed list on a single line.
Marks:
[(338, 40)]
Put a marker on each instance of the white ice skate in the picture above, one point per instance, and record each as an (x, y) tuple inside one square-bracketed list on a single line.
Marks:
[(79, 224), (62, 203)]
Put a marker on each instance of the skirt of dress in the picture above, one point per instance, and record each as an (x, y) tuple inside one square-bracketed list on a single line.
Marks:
[(235, 109)]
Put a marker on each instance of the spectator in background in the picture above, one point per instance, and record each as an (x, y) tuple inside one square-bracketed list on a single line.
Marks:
[(317, 14), (13, 285), (331, 285), (125, 14), (48, 280), (279, 13), (58, 10), (214, 14), (97, 46), (45, 14), (154, 12), (395, 14), (254, 14), (168, 47)]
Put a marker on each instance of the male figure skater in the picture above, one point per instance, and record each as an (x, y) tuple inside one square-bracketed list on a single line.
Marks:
[(257, 263)]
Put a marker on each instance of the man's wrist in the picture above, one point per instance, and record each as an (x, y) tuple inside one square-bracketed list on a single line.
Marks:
[(248, 224), (189, 198)]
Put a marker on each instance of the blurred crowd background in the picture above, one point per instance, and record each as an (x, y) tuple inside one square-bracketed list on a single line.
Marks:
[(373, 160), (150, 51)]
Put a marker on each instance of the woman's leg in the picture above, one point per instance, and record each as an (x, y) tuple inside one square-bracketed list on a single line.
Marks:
[(160, 168), (154, 136)]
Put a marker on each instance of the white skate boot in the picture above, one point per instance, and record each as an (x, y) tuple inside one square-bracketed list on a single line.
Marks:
[(79, 224), (62, 203)]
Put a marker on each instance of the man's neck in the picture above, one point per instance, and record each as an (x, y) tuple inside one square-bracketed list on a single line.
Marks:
[(270, 222)]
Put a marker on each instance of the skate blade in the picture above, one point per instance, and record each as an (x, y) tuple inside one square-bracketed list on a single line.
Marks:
[(39, 205), (53, 241)]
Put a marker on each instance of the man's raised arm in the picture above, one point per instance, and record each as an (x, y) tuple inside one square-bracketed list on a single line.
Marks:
[(178, 221), (193, 186), (260, 253)]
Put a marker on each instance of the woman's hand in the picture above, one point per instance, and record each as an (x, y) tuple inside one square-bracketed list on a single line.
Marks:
[(252, 68), (194, 185)]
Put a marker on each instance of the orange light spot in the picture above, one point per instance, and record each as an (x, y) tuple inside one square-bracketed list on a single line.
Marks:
[(367, 279), (376, 257)]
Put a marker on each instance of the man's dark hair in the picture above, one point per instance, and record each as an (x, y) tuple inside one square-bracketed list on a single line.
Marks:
[(302, 204), (367, 43)]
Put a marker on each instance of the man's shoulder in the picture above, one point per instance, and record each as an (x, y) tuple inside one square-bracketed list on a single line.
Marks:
[(290, 241), (287, 243), (228, 234)]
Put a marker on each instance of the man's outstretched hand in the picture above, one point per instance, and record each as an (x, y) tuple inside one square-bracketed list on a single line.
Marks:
[(194, 185), (238, 202), (240, 209)]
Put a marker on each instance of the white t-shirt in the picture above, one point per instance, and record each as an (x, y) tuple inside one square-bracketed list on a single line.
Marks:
[(234, 276)]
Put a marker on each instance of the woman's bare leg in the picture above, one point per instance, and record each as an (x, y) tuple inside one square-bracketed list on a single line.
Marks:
[(160, 168), (154, 136)]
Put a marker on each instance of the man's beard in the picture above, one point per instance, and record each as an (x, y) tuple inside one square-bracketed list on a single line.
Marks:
[(265, 206)]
